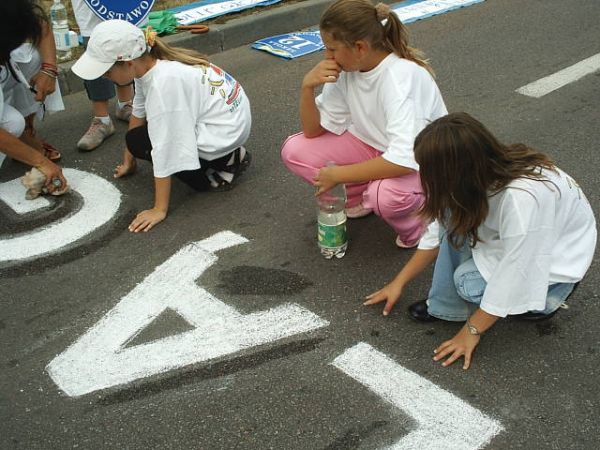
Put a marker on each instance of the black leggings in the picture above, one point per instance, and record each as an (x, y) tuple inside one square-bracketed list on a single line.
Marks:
[(139, 145)]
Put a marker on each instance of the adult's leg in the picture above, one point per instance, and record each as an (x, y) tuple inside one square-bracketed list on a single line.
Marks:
[(304, 157), (397, 201), (99, 91)]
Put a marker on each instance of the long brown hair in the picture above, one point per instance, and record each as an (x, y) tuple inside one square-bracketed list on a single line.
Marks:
[(461, 164), (349, 21)]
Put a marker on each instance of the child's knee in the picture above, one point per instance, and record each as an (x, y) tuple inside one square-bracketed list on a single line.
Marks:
[(291, 150), (389, 203), (468, 282)]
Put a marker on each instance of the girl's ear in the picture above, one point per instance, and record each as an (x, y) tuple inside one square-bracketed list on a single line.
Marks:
[(362, 47)]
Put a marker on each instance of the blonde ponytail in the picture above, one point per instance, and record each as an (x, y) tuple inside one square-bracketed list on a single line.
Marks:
[(161, 50)]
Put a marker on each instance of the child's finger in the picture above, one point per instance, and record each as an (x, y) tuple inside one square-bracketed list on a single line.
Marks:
[(388, 307), (453, 357)]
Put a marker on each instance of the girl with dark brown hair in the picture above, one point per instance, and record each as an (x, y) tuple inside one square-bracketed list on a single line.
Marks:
[(510, 234), (378, 93)]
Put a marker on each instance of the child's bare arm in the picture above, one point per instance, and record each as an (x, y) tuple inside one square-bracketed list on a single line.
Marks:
[(392, 291), (372, 169), (327, 71)]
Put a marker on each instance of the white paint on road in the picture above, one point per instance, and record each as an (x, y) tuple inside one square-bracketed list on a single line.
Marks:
[(101, 201), (444, 421), (101, 359), (12, 193), (561, 78)]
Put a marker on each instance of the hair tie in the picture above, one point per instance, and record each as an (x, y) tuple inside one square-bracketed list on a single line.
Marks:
[(150, 35), (383, 11)]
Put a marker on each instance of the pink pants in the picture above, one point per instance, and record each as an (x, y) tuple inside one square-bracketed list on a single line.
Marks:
[(395, 200)]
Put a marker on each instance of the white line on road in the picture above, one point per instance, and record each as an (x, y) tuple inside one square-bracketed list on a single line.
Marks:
[(561, 78), (101, 358), (444, 421)]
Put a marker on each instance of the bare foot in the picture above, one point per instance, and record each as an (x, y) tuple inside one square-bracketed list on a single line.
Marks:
[(125, 169)]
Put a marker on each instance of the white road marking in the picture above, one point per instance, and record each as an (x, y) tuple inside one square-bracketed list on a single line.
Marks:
[(100, 358), (561, 78), (444, 422), (13, 194), (101, 201)]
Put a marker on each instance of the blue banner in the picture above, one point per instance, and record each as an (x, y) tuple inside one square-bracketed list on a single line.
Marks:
[(133, 11), (291, 45)]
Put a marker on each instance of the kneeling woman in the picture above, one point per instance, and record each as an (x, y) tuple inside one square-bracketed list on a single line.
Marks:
[(190, 118), (515, 235)]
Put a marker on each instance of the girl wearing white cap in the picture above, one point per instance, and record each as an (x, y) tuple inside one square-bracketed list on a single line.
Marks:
[(190, 118)]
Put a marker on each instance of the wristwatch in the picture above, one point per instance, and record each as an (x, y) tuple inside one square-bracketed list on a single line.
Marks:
[(472, 329)]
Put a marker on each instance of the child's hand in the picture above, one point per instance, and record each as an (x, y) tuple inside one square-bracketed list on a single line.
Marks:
[(389, 294), (145, 220), (463, 344), (327, 71), (325, 180)]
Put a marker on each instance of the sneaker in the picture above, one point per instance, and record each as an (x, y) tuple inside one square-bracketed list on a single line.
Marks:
[(400, 243), (95, 135), (358, 211), (124, 113)]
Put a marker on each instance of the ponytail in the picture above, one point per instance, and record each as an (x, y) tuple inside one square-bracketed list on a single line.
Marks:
[(162, 50), (396, 37), (351, 20)]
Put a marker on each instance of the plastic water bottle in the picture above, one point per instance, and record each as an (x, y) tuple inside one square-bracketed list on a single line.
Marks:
[(60, 28), (332, 236)]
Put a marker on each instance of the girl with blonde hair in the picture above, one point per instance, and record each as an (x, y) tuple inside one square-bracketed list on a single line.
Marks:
[(378, 93), (190, 118)]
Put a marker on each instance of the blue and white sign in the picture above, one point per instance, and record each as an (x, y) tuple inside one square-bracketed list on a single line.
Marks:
[(133, 11), (291, 45)]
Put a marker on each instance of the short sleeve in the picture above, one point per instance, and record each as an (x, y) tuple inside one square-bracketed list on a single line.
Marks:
[(333, 108), (172, 132), (139, 101), (401, 131), (431, 238)]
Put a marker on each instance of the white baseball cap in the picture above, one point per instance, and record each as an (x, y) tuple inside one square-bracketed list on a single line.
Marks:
[(111, 41)]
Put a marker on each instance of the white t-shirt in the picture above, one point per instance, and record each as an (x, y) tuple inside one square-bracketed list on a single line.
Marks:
[(192, 111), (84, 16), (536, 233), (385, 107)]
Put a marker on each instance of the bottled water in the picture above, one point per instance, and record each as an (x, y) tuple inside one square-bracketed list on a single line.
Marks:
[(332, 236), (60, 28)]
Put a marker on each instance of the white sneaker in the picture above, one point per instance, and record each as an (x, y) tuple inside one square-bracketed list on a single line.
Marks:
[(358, 211), (124, 113), (400, 243), (95, 135)]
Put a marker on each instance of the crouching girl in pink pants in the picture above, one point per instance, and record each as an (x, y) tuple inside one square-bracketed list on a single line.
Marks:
[(378, 93)]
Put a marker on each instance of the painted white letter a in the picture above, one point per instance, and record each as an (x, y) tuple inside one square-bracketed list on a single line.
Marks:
[(100, 358)]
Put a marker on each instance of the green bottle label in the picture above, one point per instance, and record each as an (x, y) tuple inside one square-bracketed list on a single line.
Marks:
[(331, 236)]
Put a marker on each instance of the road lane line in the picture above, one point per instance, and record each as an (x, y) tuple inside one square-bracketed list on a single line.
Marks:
[(444, 421), (561, 78)]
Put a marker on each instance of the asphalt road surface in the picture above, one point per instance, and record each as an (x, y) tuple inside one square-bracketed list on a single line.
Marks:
[(224, 328)]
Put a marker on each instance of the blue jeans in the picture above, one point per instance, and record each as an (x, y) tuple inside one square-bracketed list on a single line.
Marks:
[(457, 286)]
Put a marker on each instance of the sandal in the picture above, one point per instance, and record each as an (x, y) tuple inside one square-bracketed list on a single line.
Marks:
[(222, 180), (51, 152)]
